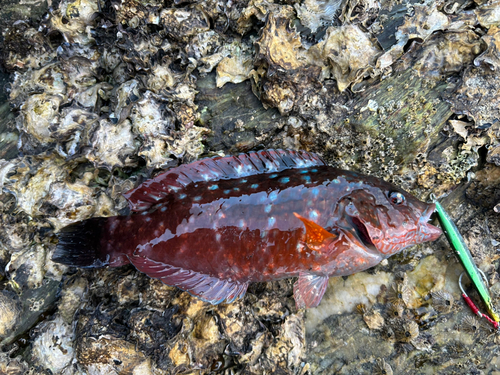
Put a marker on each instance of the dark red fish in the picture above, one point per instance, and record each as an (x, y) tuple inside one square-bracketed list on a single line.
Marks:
[(215, 225)]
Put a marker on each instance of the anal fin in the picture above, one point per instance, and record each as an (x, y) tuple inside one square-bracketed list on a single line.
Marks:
[(205, 287), (309, 289)]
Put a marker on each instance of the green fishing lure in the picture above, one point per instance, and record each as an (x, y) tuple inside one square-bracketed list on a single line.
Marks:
[(458, 244)]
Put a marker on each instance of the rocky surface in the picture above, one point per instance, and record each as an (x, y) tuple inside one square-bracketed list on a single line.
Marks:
[(103, 95)]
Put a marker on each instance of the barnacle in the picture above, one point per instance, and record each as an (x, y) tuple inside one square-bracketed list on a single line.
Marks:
[(382, 367), (470, 324), (396, 309), (399, 293), (406, 331), (374, 319), (442, 301), (388, 333)]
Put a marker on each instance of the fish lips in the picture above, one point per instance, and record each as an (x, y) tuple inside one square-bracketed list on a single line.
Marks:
[(428, 232)]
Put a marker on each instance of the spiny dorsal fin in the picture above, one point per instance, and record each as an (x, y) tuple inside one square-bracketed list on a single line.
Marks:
[(153, 191), (315, 234)]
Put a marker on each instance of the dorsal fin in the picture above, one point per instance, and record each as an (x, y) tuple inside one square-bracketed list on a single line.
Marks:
[(218, 168)]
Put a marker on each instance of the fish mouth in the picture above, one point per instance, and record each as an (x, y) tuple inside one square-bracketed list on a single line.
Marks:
[(429, 232), (362, 233)]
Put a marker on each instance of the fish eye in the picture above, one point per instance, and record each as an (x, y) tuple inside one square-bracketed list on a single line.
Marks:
[(396, 198)]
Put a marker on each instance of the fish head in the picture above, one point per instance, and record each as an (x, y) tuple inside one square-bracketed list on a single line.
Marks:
[(387, 219)]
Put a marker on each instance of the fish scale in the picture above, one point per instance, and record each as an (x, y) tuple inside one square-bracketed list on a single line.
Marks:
[(213, 226)]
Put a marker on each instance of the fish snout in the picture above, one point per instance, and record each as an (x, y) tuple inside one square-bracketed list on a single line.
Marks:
[(428, 231)]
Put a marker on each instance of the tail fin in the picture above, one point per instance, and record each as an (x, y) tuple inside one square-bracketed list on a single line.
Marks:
[(80, 244)]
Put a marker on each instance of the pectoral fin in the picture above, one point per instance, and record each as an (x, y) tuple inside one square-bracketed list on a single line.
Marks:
[(308, 290), (315, 234)]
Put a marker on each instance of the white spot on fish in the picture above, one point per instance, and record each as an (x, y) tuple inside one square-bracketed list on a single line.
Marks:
[(313, 215), (274, 175), (336, 181), (307, 178), (271, 221), (254, 186), (198, 198), (148, 219), (241, 223), (243, 180), (314, 170), (227, 191), (236, 189), (182, 196), (268, 208), (213, 187), (273, 196), (285, 180), (145, 213), (163, 209)]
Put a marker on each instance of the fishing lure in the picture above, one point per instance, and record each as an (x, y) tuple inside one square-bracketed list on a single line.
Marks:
[(213, 226), (460, 247)]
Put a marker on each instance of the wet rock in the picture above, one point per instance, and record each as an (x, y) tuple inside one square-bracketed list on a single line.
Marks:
[(11, 309)]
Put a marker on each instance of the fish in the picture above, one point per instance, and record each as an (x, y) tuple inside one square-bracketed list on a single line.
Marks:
[(215, 225)]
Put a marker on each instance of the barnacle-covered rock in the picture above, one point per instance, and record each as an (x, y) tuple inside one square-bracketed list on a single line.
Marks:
[(27, 268), (491, 56), (13, 366), (71, 298), (113, 145), (39, 113), (110, 355), (73, 131), (444, 54), (258, 9), (153, 123), (477, 97), (10, 311), (317, 13), (132, 83), (425, 21), (182, 24), (32, 181), (73, 18), (349, 52), (488, 14), (234, 69), (25, 47), (284, 68), (53, 345), (287, 350)]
